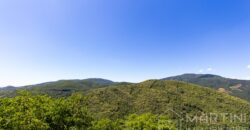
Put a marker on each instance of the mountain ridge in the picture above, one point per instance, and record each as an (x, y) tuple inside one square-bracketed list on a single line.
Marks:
[(185, 74), (235, 87), (61, 87)]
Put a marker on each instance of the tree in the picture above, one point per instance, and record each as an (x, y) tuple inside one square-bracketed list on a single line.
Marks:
[(70, 113), (24, 112), (107, 124), (148, 121), (27, 111)]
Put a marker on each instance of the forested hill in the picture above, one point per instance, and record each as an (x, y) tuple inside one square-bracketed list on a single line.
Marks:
[(239, 88), (61, 87), (114, 105), (163, 97)]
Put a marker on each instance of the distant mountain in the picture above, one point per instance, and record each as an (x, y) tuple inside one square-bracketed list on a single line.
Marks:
[(61, 87), (173, 98), (7, 91), (239, 88), (8, 88)]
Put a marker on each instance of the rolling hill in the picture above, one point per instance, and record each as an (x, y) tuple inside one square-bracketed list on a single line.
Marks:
[(61, 87), (176, 99), (234, 87), (239, 88), (173, 98)]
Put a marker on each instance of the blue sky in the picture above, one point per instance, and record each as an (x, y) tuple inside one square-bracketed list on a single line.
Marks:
[(122, 40)]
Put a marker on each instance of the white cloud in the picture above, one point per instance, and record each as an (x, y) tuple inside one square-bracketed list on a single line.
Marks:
[(201, 71), (209, 69), (206, 70), (248, 66)]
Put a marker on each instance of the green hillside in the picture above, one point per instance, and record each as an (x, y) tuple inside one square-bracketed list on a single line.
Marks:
[(234, 87), (27, 111), (239, 88), (124, 106), (67, 87), (60, 88), (164, 97)]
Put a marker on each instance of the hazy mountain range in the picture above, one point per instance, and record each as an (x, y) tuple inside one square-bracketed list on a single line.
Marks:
[(239, 88), (176, 97), (235, 87)]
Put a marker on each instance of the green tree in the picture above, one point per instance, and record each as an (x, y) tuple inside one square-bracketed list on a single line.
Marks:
[(107, 124), (24, 112), (27, 111), (148, 121), (40, 112), (70, 113)]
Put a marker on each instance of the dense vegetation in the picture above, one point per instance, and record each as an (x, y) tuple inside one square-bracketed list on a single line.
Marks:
[(164, 97), (41, 112), (238, 88), (153, 104)]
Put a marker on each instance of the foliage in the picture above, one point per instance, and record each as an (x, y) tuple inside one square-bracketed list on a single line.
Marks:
[(27, 111), (148, 121), (40, 112), (107, 124), (24, 112), (70, 113), (160, 97), (119, 107)]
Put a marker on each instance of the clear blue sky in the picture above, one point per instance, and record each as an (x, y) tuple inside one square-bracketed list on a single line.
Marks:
[(122, 40)]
